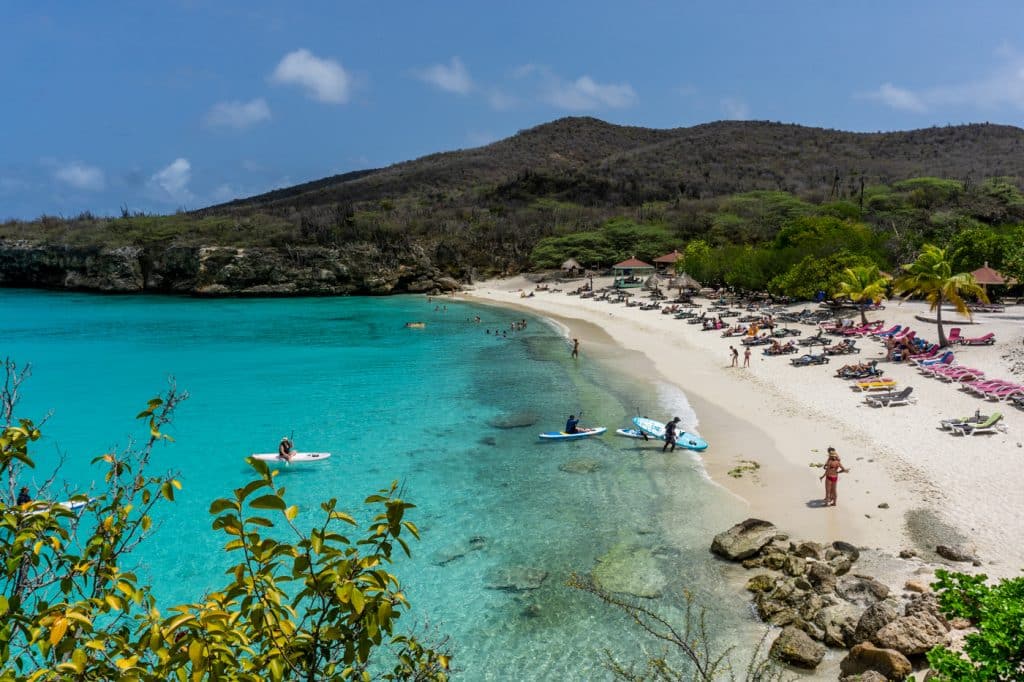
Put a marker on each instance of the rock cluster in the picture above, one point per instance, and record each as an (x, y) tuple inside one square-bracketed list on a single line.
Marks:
[(811, 591)]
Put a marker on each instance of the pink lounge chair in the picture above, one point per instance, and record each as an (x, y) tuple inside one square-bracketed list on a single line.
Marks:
[(901, 333), (888, 332), (954, 335), (980, 388), (929, 354), (959, 374), (1003, 394), (986, 340)]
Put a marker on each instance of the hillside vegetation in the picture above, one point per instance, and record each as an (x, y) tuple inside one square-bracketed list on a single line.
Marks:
[(592, 190)]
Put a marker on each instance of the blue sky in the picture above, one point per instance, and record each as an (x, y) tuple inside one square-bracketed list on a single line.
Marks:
[(164, 105)]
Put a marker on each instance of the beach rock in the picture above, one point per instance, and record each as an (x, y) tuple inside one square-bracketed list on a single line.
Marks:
[(630, 569), (911, 635), (515, 578), (821, 576), (753, 562), (866, 656), (883, 505), (846, 548), (867, 676), (809, 608), (926, 604), (743, 540), (794, 565), (874, 618), (908, 553), (810, 550), (954, 553), (774, 560), (916, 586), (812, 630), (580, 465), (801, 583), (761, 583), (795, 647), (514, 420), (839, 622), (960, 623), (861, 589), (840, 564)]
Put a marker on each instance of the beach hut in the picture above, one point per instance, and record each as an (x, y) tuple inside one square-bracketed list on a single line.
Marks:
[(631, 273), (684, 281), (668, 261), (572, 267), (986, 276)]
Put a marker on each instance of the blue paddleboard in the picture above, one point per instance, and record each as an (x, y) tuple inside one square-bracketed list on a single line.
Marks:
[(684, 439)]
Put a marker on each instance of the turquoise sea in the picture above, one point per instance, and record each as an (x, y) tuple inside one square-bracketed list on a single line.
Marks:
[(418, 406)]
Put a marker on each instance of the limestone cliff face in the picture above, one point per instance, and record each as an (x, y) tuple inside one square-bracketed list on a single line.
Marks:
[(225, 271)]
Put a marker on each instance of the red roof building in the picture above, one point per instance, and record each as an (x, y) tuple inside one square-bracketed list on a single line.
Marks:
[(633, 264)]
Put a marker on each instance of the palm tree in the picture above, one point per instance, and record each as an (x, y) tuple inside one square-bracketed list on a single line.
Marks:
[(861, 284), (931, 276)]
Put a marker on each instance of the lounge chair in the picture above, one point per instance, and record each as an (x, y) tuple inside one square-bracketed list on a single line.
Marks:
[(954, 335), (946, 358), (991, 425), (888, 332), (1004, 393), (817, 339), (859, 371), (809, 359), (842, 348), (977, 418), (875, 385), (981, 387), (986, 340), (1018, 401), (892, 399)]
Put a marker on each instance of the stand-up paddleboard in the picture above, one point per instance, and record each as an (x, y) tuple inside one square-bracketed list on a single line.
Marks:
[(684, 439), (631, 433), (70, 505), (562, 435), (296, 458)]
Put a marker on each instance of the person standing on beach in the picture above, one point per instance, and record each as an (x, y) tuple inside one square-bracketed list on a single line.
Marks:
[(670, 435), (575, 349), (735, 357), (746, 357), (833, 467)]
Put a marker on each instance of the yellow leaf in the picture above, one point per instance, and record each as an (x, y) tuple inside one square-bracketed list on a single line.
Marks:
[(60, 626), (291, 512)]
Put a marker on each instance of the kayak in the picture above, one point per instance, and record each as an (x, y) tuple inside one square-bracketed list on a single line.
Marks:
[(297, 457), (684, 439), (562, 435)]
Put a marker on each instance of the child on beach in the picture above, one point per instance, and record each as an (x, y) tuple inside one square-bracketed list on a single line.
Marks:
[(833, 467), (746, 357), (735, 357)]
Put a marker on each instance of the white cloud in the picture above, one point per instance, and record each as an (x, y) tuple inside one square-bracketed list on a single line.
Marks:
[(224, 193), (81, 176), (735, 109), (586, 94), (501, 101), (238, 115), (1002, 88), (323, 79), (453, 77), (174, 179), (897, 98)]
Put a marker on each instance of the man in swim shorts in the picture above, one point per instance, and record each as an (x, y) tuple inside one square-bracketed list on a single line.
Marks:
[(670, 435), (285, 450)]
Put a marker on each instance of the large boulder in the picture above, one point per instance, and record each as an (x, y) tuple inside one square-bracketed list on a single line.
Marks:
[(874, 618), (868, 676), (743, 540), (861, 589), (846, 548), (630, 569), (912, 635), (794, 646), (866, 656), (809, 550), (839, 622)]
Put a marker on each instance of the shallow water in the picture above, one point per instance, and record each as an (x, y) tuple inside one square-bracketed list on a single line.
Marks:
[(394, 404)]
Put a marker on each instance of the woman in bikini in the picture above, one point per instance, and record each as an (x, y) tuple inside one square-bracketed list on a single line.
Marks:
[(833, 467)]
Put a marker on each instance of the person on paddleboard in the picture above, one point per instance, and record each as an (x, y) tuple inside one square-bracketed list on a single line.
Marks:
[(572, 425), (285, 450)]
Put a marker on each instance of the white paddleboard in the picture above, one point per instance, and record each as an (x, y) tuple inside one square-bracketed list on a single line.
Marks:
[(562, 435), (684, 439), (297, 457)]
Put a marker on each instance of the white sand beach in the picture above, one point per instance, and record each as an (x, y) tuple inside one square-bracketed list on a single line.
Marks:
[(939, 488)]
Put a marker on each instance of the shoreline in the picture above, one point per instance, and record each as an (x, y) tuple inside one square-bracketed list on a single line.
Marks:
[(784, 418)]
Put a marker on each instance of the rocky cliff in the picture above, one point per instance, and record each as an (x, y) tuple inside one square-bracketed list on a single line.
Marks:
[(226, 271)]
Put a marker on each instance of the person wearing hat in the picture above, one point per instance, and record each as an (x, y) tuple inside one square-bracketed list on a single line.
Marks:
[(670, 435), (285, 449)]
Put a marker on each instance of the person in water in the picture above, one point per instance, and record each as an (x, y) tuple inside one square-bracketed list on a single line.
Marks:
[(671, 432), (572, 425), (286, 450), (575, 349), (833, 467), (23, 496)]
